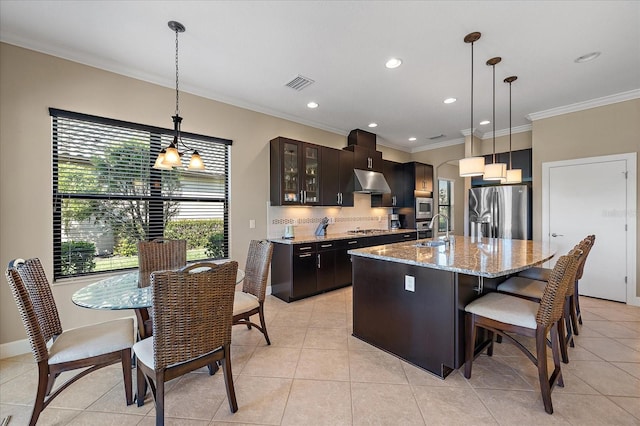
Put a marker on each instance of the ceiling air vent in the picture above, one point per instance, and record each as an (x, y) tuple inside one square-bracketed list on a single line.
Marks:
[(299, 82), (433, 138)]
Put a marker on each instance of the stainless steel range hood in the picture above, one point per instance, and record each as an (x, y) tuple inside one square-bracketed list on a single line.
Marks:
[(370, 182)]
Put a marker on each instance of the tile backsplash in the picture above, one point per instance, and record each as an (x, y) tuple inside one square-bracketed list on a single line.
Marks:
[(341, 219)]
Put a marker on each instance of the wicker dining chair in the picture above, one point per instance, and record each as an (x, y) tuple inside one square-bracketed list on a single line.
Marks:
[(157, 255), (250, 301), (56, 350), (500, 314), (542, 274), (192, 316), (524, 285)]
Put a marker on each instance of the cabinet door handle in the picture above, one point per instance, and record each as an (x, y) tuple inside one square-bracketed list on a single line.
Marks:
[(301, 197), (305, 248), (305, 255), (353, 242), (326, 245), (394, 200), (318, 261)]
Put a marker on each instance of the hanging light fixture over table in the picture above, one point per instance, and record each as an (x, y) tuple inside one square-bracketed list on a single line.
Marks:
[(170, 157), (513, 175), (471, 166), (494, 171)]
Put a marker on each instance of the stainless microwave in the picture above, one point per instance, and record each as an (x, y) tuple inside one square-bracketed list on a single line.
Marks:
[(424, 208)]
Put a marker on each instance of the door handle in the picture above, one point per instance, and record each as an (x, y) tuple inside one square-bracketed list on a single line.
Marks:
[(557, 235)]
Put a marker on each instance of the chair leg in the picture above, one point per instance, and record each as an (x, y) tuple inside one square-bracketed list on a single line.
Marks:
[(541, 355), (126, 374), (43, 385), (228, 379), (470, 340), (490, 348), (141, 385), (555, 351), (263, 324), (159, 399), (574, 315), (563, 339), (577, 302)]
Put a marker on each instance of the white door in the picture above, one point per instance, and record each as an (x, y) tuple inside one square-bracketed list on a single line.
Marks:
[(591, 198)]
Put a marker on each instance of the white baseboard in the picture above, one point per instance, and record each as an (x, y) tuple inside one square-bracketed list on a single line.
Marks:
[(19, 347)]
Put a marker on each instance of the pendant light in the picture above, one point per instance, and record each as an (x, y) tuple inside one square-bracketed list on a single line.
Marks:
[(170, 157), (494, 171), (513, 175), (471, 166)]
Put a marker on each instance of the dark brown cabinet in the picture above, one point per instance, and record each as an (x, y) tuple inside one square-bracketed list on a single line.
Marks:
[(419, 182), (365, 158), (394, 175), (302, 270), (336, 186), (295, 172), (520, 159)]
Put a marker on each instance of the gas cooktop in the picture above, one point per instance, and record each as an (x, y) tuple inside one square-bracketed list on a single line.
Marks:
[(366, 231)]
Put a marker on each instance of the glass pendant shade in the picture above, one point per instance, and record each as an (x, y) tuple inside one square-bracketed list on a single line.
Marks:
[(172, 157), (495, 171), (471, 166), (196, 162), (159, 164), (514, 176)]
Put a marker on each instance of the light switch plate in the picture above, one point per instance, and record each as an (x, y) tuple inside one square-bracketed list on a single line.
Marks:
[(409, 283), (252, 223)]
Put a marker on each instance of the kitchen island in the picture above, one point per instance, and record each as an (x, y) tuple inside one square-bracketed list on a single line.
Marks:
[(409, 299)]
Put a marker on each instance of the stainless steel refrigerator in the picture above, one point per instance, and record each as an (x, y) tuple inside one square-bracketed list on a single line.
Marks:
[(500, 212)]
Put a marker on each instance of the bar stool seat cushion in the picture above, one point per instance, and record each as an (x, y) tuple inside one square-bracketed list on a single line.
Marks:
[(507, 309), (524, 287), (244, 302), (536, 273), (92, 340)]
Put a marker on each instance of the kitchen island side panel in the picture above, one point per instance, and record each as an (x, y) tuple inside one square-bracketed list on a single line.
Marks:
[(418, 326)]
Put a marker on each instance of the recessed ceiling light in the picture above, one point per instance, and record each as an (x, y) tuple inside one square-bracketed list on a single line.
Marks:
[(412, 139), (484, 122), (373, 124), (450, 100), (393, 63), (312, 105), (588, 57)]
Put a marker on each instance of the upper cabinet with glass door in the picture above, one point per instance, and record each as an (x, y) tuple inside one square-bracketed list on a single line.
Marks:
[(295, 173)]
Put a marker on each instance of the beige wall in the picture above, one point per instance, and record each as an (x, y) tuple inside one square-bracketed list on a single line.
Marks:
[(606, 130), (31, 82)]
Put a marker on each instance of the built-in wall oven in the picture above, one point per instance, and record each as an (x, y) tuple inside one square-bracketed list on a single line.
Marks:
[(424, 208)]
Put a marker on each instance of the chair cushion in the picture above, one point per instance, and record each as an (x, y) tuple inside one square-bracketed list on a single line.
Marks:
[(244, 302), (92, 340), (523, 287), (535, 273), (507, 309), (144, 352)]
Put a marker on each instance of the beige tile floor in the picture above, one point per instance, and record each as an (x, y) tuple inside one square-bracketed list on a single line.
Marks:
[(316, 373)]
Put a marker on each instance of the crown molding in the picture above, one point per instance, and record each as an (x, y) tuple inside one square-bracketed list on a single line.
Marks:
[(581, 106), (505, 132), (437, 145)]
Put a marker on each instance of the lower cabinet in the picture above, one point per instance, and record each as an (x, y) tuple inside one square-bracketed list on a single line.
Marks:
[(302, 270)]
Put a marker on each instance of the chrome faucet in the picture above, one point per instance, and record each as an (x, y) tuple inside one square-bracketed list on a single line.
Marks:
[(435, 230)]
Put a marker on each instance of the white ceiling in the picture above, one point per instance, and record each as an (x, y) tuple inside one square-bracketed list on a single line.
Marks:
[(243, 53)]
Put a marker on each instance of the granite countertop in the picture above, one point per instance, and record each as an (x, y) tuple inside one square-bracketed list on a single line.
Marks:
[(303, 239), (486, 257)]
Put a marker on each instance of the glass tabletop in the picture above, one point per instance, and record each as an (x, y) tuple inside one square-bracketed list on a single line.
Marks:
[(119, 292)]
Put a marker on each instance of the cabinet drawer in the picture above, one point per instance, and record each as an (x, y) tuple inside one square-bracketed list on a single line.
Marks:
[(304, 248), (326, 245), (351, 243)]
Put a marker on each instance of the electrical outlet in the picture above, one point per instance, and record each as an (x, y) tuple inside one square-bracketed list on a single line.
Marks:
[(409, 283), (252, 223)]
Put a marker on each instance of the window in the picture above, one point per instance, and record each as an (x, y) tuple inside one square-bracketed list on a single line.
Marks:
[(107, 196), (445, 204)]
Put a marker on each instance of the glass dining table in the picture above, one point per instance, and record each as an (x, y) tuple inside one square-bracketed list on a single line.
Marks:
[(121, 292)]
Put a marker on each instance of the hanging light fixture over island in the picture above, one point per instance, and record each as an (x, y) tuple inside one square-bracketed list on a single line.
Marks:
[(471, 166), (495, 170), (513, 175)]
